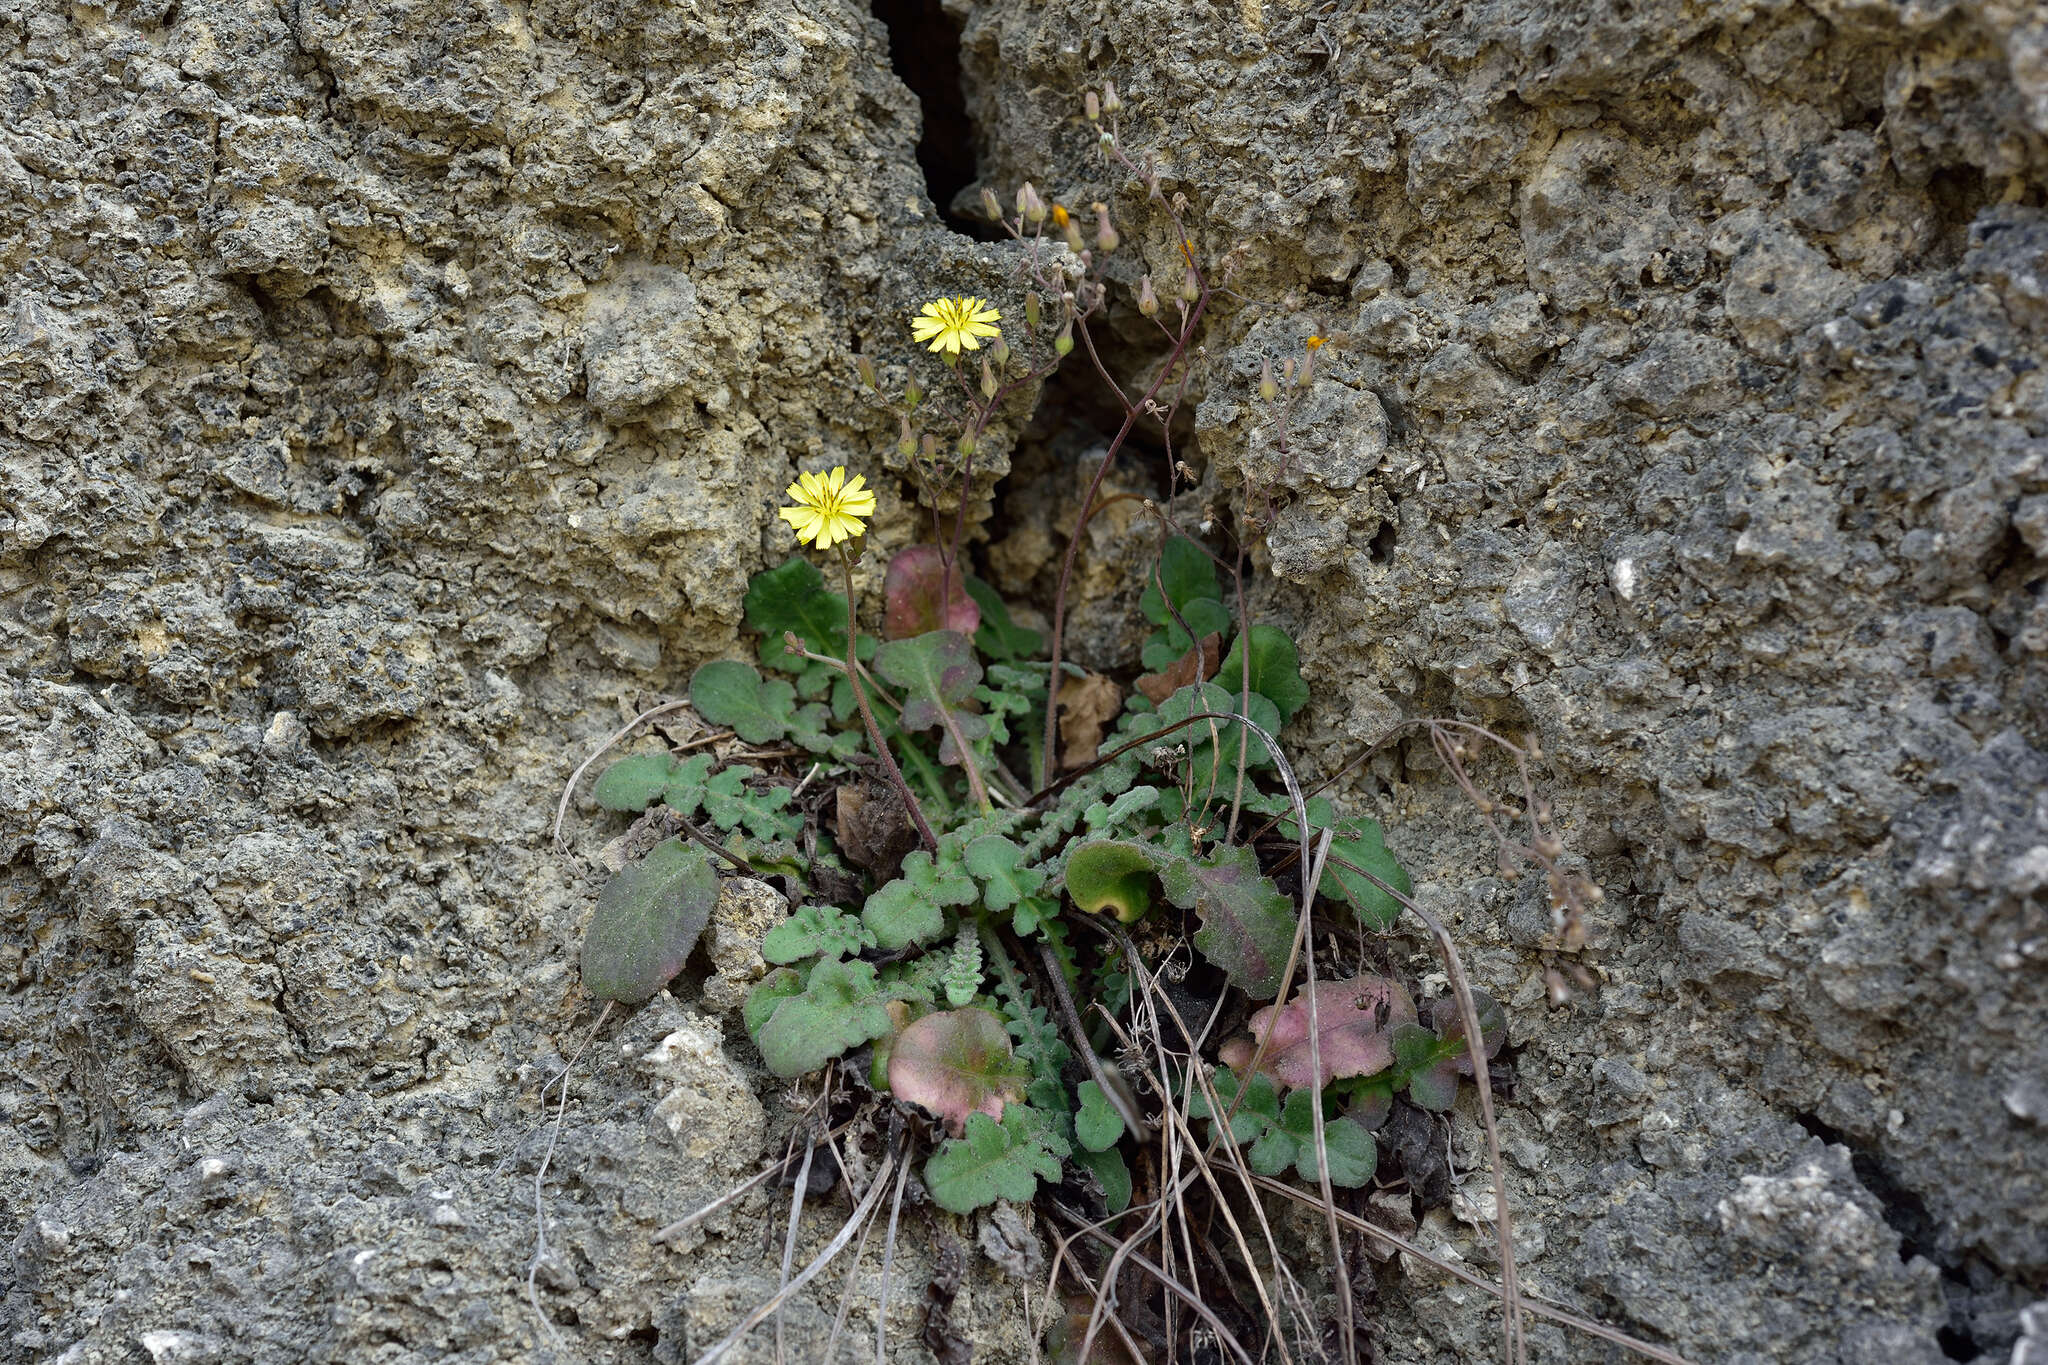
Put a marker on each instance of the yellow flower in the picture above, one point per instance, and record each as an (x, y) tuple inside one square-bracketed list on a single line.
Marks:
[(829, 508), (953, 324)]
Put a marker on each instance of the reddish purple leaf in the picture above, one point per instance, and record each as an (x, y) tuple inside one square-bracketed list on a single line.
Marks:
[(956, 1063), (1355, 1020), (917, 600)]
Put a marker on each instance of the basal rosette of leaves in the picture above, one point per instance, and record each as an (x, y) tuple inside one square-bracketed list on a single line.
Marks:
[(935, 960)]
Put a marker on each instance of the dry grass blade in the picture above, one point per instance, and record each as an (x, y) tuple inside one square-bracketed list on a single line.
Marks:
[(796, 1218), (766, 1173), (1542, 1308), (810, 1272), (569, 787), (1127, 1250), (540, 1175)]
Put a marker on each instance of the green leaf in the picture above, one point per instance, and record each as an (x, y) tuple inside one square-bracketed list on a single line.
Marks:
[(793, 598), (1276, 670), (1247, 925), (999, 637), (963, 970), (733, 694), (1212, 764), (956, 1063), (937, 672), (1188, 573), (686, 782), (634, 784), (816, 931), (842, 1006), (998, 864), (1114, 875), (1353, 1155), (648, 919), (1365, 850), (1426, 1066), (908, 910), (1105, 819), (1097, 1125), (992, 1161), (1205, 616), (1111, 1173), (769, 992)]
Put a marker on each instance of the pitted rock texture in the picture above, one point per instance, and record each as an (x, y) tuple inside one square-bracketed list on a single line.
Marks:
[(394, 396), (1684, 405)]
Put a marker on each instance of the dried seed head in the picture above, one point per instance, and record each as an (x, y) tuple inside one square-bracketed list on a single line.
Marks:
[(1110, 103), (867, 373), (929, 448)]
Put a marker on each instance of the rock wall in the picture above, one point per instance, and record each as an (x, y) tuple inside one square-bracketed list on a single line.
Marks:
[(393, 397)]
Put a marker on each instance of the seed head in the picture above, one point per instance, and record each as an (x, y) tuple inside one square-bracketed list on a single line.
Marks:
[(1110, 103), (991, 205)]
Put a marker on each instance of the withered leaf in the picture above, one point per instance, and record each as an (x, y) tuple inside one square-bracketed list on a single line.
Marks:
[(874, 829), (1199, 664), (1087, 706)]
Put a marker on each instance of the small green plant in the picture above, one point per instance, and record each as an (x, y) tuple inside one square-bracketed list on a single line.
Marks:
[(996, 879)]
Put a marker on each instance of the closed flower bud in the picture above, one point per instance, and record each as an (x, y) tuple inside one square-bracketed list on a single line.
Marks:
[(1110, 103), (1033, 309), (1106, 239), (1268, 390), (991, 205), (1093, 105), (1063, 344), (1287, 370), (906, 444), (988, 379), (1072, 230), (929, 448), (1148, 302), (912, 394), (867, 373), (966, 444), (999, 352), (1190, 286), (1029, 205)]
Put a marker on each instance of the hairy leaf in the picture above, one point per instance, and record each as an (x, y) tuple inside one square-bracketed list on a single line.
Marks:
[(1283, 1136), (998, 864), (1111, 1173), (1188, 574), (956, 1063), (1108, 818), (733, 694), (1247, 925), (1000, 638), (1213, 744), (815, 931), (731, 805), (648, 919), (1097, 1125), (1428, 1062), (908, 910), (919, 595), (937, 672), (842, 1006), (1354, 1023), (1353, 1155), (634, 784), (768, 993), (1114, 875), (992, 1161), (793, 599), (1276, 669)]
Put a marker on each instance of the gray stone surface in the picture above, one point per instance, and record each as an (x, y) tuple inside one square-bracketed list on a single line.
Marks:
[(392, 397)]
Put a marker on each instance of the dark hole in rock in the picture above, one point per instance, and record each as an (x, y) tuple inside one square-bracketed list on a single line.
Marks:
[(924, 50)]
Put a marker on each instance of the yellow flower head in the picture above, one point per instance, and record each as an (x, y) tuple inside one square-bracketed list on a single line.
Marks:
[(955, 324), (829, 508)]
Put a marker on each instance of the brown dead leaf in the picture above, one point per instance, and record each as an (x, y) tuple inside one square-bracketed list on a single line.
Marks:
[(1087, 706), (874, 829), (1199, 664)]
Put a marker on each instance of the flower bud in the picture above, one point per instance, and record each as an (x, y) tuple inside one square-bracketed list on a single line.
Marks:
[(1190, 286), (1063, 344), (1287, 370), (988, 379), (912, 394), (1148, 302), (1093, 105), (906, 444), (1268, 390), (1110, 103), (928, 447), (1033, 309), (867, 373), (1072, 230), (1106, 239), (966, 444), (1029, 205), (999, 352), (991, 205)]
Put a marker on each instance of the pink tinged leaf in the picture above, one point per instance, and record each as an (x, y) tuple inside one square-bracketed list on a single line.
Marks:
[(1355, 1022), (921, 596), (956, 1063)]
